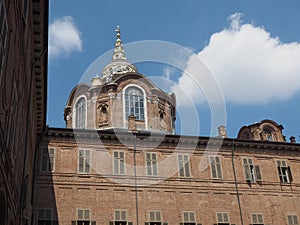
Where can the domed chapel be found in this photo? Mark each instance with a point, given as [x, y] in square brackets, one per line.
[121, 98]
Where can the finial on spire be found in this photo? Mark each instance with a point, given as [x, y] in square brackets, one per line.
[118, 31]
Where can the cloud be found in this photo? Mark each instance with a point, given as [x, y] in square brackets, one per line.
[64, 37]
[250, 66]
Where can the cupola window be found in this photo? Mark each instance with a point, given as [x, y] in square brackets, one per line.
[80, 113]
[134, 103]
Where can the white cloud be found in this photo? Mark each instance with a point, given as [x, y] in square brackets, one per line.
[64, 37]
[250, 65]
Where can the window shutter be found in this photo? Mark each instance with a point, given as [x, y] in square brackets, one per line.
[280, 174]
[111, 223]
[257, 173]
[165, 223]
[289, 173]
[247, 172]
[55, 222]
[146, 223]
[94, 223]
[181, 223]
[130, 223]
[73, 222]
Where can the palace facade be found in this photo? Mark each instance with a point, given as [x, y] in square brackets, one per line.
[119, 161]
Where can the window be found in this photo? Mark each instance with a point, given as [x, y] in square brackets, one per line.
[119, 162]
[151, 162]
[284, 172]
[184, 166]
[215, 166]
[134, 103]
[223, 218]
[48, 160]
[292, 220]
[84, 161]
[188, 218]
[269, 133]
[80, 113]
[120, 217]
[83, 217]
[44, 216]
[257, 219]
[252, 173]
[3, 34]
[155, 217]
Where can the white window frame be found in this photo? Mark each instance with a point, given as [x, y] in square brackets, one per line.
[223, 216]
[257, 219]
[251, 171]
[157, 216]
[119, 162]
[216, 165]
[284, 171]
[122, 217]
[151, 164]
[86, 215]
[124, 104]
[184, 165]
[292, 219]
[86, 161]
[74, 119]
[188, 217]
[48, 158]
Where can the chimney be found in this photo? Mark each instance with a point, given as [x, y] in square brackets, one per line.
[293, 139]
[222, 131]
[131, 123]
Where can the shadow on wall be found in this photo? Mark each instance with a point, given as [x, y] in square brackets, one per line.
[2, 207]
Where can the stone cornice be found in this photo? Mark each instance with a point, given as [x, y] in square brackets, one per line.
[172, 141]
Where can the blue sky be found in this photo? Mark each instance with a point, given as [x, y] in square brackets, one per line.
[252, 48]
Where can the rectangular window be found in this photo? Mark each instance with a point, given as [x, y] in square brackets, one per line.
[188, 218]
[119, 162]
[215, 166]
[257, 219]
[184, 166]
[84, 161]
[155, 217]
[120, 217]
[44, 216]
[223, 218]
[151, 162]
[3, 34]
[83, 217]
[252, 173]
[292, 220]
[48, 160]
[284, 172]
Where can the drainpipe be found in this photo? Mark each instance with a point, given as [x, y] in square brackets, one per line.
[236, 184]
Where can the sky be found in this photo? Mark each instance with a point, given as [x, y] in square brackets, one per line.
[245, 57]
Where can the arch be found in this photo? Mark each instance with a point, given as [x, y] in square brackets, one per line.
[80, 112]
[269, 133]
[134, 103]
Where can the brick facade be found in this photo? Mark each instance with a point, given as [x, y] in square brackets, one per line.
[23, 83]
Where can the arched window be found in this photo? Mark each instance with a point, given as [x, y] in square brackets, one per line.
[80, 113]
[134, 103]
[269, 133]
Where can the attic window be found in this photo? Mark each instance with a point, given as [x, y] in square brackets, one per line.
[269, 134]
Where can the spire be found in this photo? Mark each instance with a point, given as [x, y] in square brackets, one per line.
[119, 53]
[119, 64]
